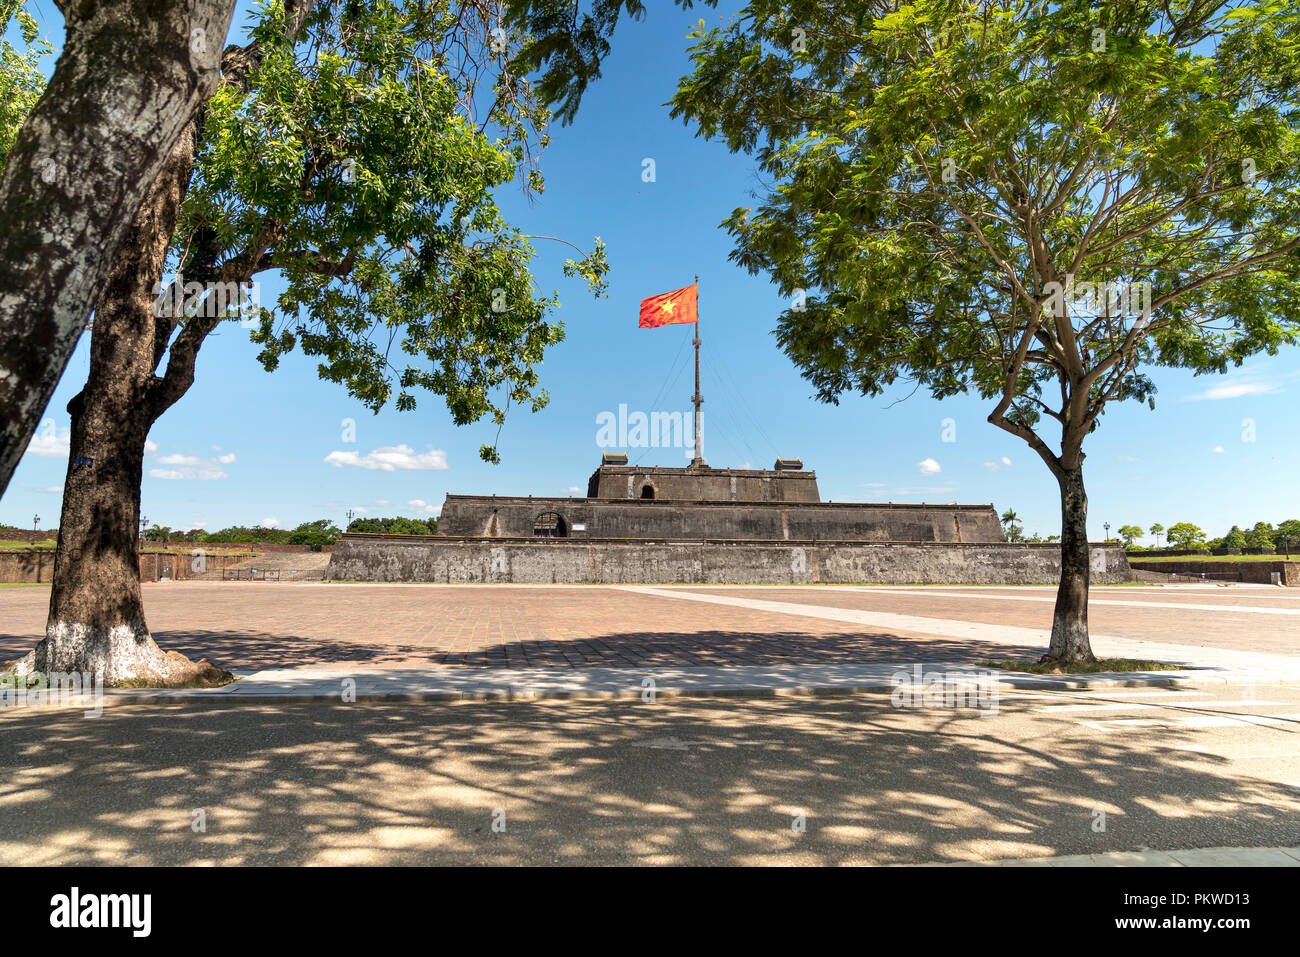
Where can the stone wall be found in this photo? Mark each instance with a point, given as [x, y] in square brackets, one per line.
[444, 559]
[37, 565]
[27, 535]
[514, 517]
[701, 485]
[28, 565]
[1254, 572]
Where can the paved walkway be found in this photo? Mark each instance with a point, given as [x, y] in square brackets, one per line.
[250, 627]
[1195, 857]
[724, 781]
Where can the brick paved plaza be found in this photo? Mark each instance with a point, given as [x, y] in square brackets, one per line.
[250, 626]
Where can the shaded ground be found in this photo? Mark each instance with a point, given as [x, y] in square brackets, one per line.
[680, 781]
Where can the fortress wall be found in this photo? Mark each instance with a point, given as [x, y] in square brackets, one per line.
[511, 517]
[714, 485]
[408, 558]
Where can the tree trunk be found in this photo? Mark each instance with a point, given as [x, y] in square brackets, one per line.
[131, 75]
[1070, 619]
[96, 621]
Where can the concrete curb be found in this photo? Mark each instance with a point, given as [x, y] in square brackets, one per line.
[716, 682]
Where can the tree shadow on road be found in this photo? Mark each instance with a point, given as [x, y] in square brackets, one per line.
[675, 781]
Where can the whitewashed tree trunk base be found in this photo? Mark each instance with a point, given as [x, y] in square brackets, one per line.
[122, 655]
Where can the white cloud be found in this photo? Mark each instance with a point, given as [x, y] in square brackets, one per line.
[360, 511]
[420, 505]
[382, 501]
[50, 441]
[928, 467]
[574, 490]
[1233, 390]
[270, 522]
[1219, 450]
[205, 472]
[52, 489]
[191, 468]
[391, 458]
[999, 465]
[150, 446]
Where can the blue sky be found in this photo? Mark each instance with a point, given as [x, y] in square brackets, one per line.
[245, 446]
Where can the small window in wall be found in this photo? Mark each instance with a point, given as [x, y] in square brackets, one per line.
[550, 525]
[647, 491]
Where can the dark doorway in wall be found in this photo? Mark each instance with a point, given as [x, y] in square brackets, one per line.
[647, 491]
[550, 525]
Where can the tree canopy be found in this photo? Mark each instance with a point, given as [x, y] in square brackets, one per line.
[939, 166]
[21, 80]
[1030, 202]
[359, 159]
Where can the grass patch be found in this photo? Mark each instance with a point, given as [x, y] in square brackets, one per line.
[45, 544]
[1102, 665]
[196, 682]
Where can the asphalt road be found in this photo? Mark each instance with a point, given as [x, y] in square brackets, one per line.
[678, 781]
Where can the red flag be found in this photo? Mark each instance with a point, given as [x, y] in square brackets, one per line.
[680, 305]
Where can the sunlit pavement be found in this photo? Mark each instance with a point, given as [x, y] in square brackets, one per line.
[251, 626]
[728, 781]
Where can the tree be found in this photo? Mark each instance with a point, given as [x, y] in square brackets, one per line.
[395, 526]
[315, 534]
[1011, 524]
[1234, 539]
[567, 40]
[1157, 530]
[157, 533]
[1287, 535]
[21, 80]
[128, 80]
[1129, 534]
[1027, 201]
[354, 150]
[1186, 535]
[1261, 536]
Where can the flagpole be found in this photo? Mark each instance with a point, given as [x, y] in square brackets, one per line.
[697, 399]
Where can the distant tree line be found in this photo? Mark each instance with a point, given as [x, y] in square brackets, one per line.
[1260, 537]
[317, 534]
[395, 526]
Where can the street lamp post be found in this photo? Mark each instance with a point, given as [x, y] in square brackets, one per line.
[1106, 526]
